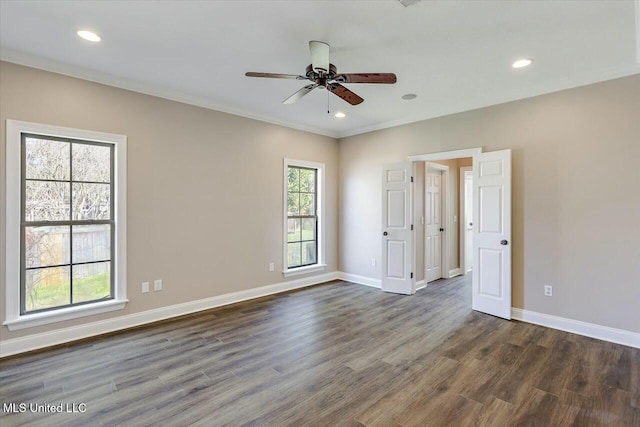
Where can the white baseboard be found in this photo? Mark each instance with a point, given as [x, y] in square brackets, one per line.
[361, 280]
[455, 272]
[618, 336]
[370, 281]
[61, 336]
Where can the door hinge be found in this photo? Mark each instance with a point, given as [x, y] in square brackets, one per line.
[411, 227]
[411, 179]
[412, 275]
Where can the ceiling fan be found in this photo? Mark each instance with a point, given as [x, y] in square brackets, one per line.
[324, 75]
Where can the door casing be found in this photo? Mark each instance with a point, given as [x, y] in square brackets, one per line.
[462, 219]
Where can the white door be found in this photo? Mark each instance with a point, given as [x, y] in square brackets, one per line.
[468, 221]
[433, 224]
[397, 234]
[492, 233]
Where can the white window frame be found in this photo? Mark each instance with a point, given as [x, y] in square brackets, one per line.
[14, 320]
[320, 203]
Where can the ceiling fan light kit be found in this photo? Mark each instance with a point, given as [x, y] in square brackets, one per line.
[324, 75]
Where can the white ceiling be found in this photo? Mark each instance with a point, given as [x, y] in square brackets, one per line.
[455, 55]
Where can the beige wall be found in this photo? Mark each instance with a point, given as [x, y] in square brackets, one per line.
[204, 187]
[576, 195]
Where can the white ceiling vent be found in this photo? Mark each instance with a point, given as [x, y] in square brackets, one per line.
[407, 3]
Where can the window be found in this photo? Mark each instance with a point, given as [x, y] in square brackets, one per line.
[303, 185]
[302, 221]
[66, 231]
[66, 224]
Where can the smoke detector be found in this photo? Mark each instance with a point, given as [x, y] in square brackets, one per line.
[407, 3]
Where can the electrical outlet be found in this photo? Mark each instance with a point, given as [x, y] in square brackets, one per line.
[548, 290]
[145, 287]
[272, 266]
[157, 285]
[373, 262]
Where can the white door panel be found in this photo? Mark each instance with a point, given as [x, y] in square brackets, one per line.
[490, 220]
[396, 254]
[396, 215]
[492, 233]
[397, 238]
[433, 225]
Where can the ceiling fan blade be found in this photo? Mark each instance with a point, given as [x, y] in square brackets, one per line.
[275, 76]
[319, 56]
[344, 93]
[384, 78]
[299, 94]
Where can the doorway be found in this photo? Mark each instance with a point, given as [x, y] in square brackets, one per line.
[491, 227]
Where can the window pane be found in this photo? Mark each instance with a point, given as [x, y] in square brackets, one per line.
[46, 201]
[293, 203]
[91, 243]
[47, 287]
[309, 229]
[293, 230]
[307, 204]
[91, 281]
[46, 159]
[293, 254]
[308, 180]
[45, 246]
[293, 179]
[91, 163]
[308, 253]
[91, 201]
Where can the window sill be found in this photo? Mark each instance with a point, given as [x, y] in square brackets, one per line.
[45, 318]
[303, 270]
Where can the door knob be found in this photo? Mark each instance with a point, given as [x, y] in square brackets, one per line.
[442, 229]
[503, 242]
[385, 234]
[470, 224]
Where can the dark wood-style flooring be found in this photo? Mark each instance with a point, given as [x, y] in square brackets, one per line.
[336, 354]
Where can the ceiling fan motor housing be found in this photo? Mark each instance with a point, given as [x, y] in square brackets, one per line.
[321, 79]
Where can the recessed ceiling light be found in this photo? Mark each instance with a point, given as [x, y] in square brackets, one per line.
[340, 115]
[89, 35]
[521, 63]
[409, 96]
